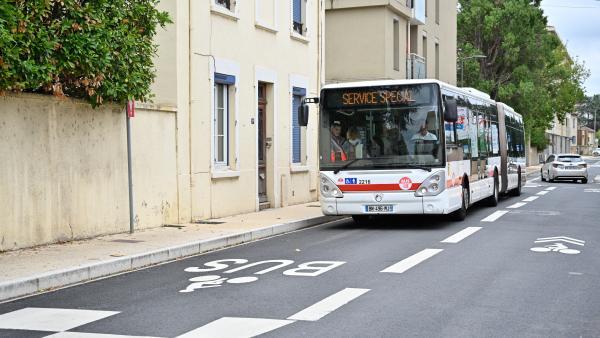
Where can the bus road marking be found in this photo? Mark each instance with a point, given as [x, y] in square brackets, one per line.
[550, 188]
[328, 305]
[543, 192]
[516, 205]
[531, 198]
[493, 217]
[459, 236]
[411, 261]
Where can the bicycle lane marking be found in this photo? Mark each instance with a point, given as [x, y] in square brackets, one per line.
[459, 236]
[411, 261]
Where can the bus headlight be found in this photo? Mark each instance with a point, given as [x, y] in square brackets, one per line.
[328, 188]
[432, 185]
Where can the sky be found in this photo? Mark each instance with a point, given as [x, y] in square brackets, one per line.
[578, 24]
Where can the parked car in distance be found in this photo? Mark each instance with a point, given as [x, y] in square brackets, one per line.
[564, 167]
[596, 152]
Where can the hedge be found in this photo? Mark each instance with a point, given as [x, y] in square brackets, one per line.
[97, 50]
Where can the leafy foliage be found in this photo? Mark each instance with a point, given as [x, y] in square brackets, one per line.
[526, 64]
[589, 108]
[98, 50]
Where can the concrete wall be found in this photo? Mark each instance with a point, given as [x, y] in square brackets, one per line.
[64, 170]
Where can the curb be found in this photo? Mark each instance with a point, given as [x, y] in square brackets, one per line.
[61, 278]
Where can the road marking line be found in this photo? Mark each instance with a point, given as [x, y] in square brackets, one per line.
[230, 327]
[531, 198]
[49, 319]
[411, 261]
[91, 335]
[328, 305]
[495, 216]
[550, 188]
[516, 205]
[543, 192]
[459, 236]
[533, 180]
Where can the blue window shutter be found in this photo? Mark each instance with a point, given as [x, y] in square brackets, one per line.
[296, 137]
[297, 11]
[299, 91]
[224, 79]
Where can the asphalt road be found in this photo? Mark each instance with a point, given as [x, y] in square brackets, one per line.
[408, 276]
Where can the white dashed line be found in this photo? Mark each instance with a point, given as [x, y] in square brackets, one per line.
[516, 205]
[328, 305]
[411, 261]
[531, 198]
[550, 188]
[493, 217]
[543, 192]
[459, 236]
[236, 327]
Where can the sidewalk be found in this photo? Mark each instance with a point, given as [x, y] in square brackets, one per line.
[37, 269]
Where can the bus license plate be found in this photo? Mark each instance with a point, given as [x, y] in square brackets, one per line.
[380, 208]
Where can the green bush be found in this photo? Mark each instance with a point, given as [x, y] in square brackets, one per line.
[97, 50]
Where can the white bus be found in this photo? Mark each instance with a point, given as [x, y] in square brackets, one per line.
[414, 147]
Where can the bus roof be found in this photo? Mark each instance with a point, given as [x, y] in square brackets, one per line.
[374, 83]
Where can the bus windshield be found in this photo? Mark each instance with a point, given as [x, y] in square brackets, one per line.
[381, 128]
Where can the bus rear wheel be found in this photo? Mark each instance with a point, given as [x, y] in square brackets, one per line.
[517, 191]
[492, 201]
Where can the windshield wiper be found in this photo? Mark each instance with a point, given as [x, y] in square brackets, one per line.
[336, 171]
[406, 166]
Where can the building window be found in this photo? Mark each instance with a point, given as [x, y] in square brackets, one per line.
[396, 45]
[299, 16]
[222, 118]
[229, 4]
[298, 132]
[266, 13]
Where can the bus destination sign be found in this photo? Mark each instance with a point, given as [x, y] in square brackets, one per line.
[377, 96]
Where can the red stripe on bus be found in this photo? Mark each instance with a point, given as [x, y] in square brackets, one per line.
[375, 187]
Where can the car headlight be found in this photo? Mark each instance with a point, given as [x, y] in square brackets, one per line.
[432, 185]
[328, 188]
[583, 165]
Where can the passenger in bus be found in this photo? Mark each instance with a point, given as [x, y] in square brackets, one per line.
[356, 145]
[339, 145]
[393, 143]
[375, 146]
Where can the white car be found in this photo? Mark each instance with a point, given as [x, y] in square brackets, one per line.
[564, 166]
[596, 152]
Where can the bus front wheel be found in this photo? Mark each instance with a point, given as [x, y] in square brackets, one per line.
[461, 214]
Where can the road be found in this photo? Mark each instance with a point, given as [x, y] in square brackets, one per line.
[408, 276]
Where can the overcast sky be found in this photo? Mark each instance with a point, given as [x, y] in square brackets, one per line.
[578, 24]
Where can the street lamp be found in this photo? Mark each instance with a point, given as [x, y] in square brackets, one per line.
[462, 66]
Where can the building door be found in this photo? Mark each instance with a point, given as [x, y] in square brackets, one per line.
[263, 144]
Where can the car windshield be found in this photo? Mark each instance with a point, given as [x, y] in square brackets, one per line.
[569, 159]
[402, 128]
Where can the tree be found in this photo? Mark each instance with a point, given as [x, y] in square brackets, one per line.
[589, 108]
[96, 50]
[526, 64]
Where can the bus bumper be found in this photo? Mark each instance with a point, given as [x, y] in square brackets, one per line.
[402, 203]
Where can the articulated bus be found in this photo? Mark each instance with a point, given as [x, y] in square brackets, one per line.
[414, 147]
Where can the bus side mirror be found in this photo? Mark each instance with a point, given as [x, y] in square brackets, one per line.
[303, 115]
[450, 110]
